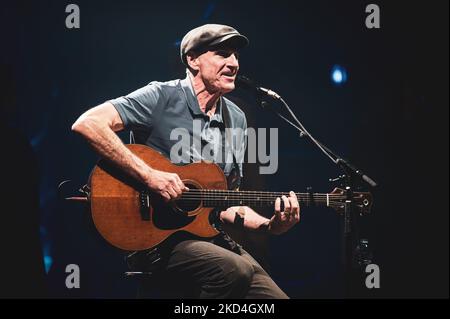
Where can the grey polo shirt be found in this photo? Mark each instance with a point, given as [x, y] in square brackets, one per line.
[167, 117]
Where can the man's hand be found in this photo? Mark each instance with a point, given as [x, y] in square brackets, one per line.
[168, 185]
[283, 221]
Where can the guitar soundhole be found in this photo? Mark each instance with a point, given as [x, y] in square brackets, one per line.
[176, 214]
[189, 201]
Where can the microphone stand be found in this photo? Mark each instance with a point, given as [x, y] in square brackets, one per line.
[351, 241]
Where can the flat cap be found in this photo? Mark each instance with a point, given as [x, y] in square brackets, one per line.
[209, 35]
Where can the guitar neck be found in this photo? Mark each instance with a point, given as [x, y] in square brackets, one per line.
[227, 198]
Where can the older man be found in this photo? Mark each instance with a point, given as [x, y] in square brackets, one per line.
[216, 268]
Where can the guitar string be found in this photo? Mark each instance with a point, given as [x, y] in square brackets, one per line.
[259, 194]
[256, 193]
[249, 192]
[255, 196]
[331, 205]
[212, 199]
[271, 202]
[253, 199]
[253, 193]
[255, 202]
[247, 200]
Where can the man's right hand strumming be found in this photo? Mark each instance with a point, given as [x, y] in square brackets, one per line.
[168, 185]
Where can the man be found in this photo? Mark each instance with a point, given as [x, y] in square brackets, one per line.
[217, 268]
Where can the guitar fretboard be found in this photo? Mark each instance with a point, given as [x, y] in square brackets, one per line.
[226, 198]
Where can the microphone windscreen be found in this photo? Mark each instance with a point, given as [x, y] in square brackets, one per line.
[245, 83]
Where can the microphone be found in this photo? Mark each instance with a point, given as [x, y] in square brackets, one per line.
[245, 83]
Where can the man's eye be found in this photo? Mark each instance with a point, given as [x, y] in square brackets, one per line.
[225, 54]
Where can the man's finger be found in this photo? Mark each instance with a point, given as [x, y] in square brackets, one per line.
[181, 185]
[294, 205]
[165, 195]
[287, 205]
[176, 187]
[173, 194]
[277, 207]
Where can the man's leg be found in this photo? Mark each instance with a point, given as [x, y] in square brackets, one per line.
[262, 285]
[213, 271]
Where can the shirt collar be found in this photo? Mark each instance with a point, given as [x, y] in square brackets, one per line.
[188, 89]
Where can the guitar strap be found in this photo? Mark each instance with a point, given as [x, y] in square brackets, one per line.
[234, 178]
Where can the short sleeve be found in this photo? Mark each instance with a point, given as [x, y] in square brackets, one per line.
[139, 108]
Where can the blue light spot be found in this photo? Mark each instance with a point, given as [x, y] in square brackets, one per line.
[338, 75]
[48, 261]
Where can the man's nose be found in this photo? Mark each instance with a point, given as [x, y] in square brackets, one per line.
[233, 61]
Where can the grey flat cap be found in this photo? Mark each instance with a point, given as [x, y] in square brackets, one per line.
[210, 35]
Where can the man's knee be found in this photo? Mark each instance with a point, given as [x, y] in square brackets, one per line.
[241, 274]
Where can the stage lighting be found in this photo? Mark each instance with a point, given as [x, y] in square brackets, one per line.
[48, 261]
[338, 75]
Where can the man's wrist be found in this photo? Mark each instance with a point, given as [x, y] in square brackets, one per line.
[146, 173]
[265, 227]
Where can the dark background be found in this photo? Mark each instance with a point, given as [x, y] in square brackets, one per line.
[390, 118]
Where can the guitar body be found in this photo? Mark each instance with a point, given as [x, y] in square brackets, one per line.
[131, 218]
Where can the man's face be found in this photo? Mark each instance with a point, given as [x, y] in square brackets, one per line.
[218, 69]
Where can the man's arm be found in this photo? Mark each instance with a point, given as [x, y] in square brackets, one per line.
[252, 220]
[278, 224]
[98, 126]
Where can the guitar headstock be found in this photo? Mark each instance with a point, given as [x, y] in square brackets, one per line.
[362, 201]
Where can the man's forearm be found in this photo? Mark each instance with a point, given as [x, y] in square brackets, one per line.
[109, 146]
[252, 220]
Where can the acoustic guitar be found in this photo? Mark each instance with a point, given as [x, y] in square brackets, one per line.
[131, 217]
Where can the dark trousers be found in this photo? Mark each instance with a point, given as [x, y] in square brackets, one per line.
[200, 269]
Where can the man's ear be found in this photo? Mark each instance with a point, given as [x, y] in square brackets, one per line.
[192, 60]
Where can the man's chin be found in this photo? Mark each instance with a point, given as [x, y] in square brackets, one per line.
[228, 87]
